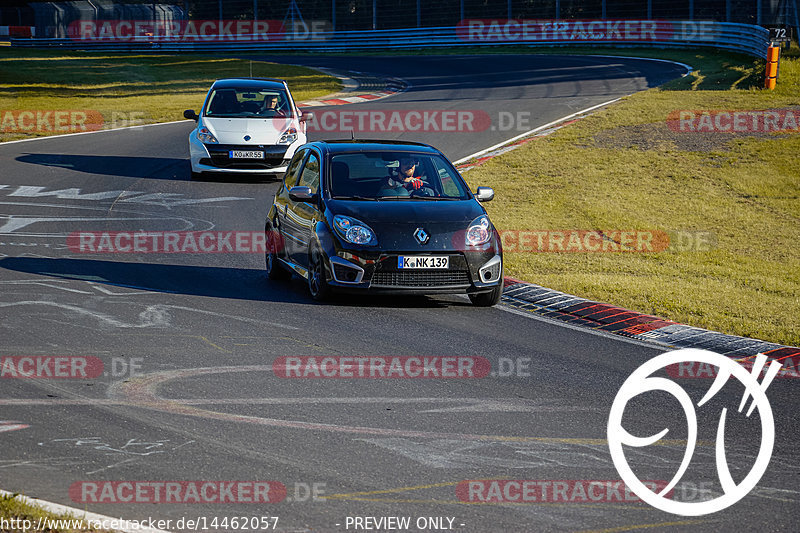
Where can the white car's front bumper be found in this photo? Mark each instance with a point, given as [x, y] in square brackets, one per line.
[213, 158]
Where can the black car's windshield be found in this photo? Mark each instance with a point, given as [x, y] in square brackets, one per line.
[394, 176]
[248, 103]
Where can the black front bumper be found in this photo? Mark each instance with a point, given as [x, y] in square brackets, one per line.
[379, 272]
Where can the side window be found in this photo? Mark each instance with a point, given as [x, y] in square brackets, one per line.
[449, 187]
[291, 173]
[310, 175]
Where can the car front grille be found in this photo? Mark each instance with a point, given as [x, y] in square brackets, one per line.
[273, 156]
[422, 278]
[223, 161]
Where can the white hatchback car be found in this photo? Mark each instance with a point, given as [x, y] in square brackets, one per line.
[246, 126]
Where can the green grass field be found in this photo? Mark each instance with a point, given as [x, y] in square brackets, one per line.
[623, 168]
[123, 87]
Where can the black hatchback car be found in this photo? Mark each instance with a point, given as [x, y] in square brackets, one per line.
[382, 216]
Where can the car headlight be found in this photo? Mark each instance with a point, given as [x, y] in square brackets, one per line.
[354, 231]
[206, 136]
[479, 231]
[288, 137]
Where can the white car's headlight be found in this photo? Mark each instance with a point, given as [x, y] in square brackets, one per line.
[354, 231]
[479, 231]
[206, 136]
[288, 137]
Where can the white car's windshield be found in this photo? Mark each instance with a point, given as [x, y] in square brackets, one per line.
[248, 103]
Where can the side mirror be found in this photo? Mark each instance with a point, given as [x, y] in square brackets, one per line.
[484, 194]
[191, 115]
[308, 115]
[302, 194]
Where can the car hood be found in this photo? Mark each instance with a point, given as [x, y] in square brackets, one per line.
[395, 222]
[260, 130]
[458, 212]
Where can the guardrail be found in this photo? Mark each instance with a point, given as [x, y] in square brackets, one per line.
[744, 38]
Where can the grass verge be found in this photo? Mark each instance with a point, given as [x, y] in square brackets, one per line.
[24, 518]
[121, 87]
[623, 168]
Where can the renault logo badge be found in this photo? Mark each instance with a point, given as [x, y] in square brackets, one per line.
[421, 235]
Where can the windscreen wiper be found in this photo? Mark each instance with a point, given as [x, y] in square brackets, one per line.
[372, 198]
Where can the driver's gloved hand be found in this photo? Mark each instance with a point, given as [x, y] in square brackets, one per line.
[415, 183]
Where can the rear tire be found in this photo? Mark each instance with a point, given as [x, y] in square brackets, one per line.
[487, 299]
[317, 282]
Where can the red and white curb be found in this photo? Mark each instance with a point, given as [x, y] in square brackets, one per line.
[393, 86]
[632, 324]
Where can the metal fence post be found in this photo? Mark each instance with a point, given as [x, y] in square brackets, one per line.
[796, 21]
[333, 15]
[558, 9]
[419, 14]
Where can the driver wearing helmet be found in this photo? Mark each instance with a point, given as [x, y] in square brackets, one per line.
[407, 176]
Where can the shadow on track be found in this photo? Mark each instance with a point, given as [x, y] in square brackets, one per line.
[214, 282]
[110, 165]
[154, 168]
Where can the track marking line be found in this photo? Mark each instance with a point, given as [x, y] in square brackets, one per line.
[646, 526]
[535, 130]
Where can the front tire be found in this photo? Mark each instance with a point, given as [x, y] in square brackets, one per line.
[317, 281]
[487, 299]
[275, 270]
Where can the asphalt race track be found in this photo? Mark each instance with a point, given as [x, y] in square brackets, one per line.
[188, 341]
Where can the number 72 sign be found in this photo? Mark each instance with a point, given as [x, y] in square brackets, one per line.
[780, 34]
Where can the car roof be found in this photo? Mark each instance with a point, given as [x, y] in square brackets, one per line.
[360, 145]
[249, 83]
